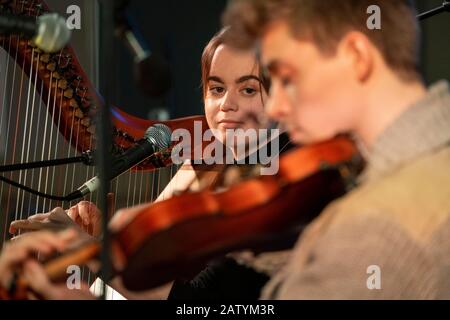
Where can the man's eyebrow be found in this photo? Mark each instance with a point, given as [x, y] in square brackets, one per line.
[247, 77]
[215, 79]
[272, 66]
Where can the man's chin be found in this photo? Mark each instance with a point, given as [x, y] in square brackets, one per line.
[300, 137]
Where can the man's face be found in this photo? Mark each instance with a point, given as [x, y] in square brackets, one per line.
[314, 96]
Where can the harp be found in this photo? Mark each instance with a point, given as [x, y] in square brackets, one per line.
[47, 111]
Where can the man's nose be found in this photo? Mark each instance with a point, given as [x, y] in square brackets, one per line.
[277, 106]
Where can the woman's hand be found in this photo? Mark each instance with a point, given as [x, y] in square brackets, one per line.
[84, 214]
[57, 219]
[87, 216]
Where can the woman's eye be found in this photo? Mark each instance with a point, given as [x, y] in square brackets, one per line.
[249, 91]
[217, 90]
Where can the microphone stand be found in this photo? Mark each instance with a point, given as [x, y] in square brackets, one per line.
[86, 158]
[444, 7]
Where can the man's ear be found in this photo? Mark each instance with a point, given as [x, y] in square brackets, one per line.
[360, 52]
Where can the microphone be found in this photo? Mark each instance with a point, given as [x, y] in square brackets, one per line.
[151, 70]
[156, 138]
[48, 32]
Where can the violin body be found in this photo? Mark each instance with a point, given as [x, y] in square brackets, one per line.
[175, 237]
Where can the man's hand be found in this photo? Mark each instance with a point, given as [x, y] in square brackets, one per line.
[37, 280]
[16, 252]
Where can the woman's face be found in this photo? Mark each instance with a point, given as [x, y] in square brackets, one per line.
[234, 96]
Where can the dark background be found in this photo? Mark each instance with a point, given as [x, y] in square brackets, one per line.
[180, 29]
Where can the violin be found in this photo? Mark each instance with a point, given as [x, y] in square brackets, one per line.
[176, 237]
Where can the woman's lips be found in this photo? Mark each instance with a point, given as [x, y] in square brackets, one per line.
[230, 124]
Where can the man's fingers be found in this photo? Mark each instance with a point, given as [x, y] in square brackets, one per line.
[44, 241]
[23, 246]
[36, 278]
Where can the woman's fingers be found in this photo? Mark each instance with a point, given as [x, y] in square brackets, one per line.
[88, 212]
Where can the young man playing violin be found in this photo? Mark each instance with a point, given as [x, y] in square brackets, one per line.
[390, 237]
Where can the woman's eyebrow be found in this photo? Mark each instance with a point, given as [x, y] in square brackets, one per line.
[215, 79]
[240, 80]
[247, 77]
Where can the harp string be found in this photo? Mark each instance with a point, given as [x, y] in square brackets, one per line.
[33, 180]
[16, 132]
[5, 112]
[44, 144]
[20, 193]
[29, 117]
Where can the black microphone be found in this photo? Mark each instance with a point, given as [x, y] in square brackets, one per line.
[156, 138]
[151, 70]
[48, 32]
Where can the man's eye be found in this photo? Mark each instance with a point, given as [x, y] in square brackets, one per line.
[285, 81]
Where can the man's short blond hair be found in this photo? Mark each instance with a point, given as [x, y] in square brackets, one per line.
[325, 22]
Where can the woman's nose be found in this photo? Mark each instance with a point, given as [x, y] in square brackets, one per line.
[229, 103]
